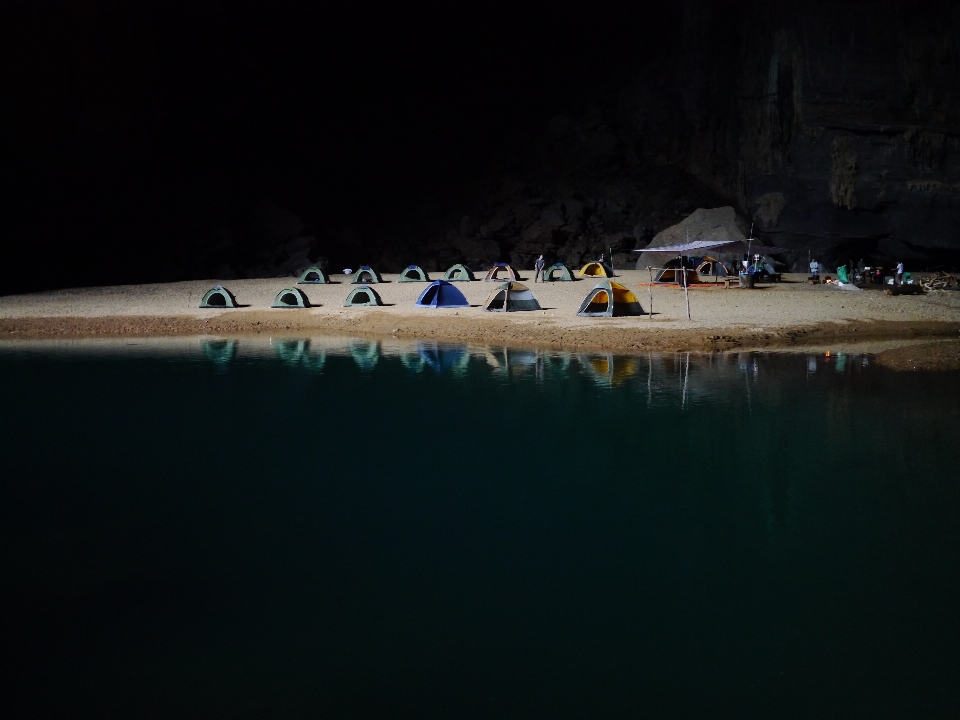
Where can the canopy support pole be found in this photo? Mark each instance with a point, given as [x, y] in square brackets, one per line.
[650, 288]
[686, 292]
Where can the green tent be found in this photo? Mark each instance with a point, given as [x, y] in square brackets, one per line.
[291, 298]
[558, 272]
[365, 275]
[459, 273]
[313, 276]
[218, 297]
[362, 296]
[414, 273]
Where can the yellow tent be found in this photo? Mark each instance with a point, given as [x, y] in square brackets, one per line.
[610, 299]
[595, 269]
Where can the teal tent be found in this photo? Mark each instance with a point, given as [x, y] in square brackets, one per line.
[558, 272]
[218, 297]
[313, 276]
[362, 296]
[414, 273]
[459, 273]
[291, 298]
[366, 275]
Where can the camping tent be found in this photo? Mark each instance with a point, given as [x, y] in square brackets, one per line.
[713, 267]
[313, 276]
[596, 269]
[511, 297]
[414, 273]
[218, 297]
[291, 298]
[671, 274]
[365, 275]
[363, 296]
[492, 273]
[557, 272]
[459, 273]
[441, 294]
[610, 299]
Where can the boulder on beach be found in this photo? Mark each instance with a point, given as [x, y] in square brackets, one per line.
[702, 224]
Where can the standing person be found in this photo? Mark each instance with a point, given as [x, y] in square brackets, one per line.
[538, 269]
[899, 279]
[815, 270]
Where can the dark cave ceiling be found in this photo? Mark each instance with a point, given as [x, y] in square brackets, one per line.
[157, 142]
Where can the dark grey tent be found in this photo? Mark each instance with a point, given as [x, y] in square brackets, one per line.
[511, 297]
[366, 275]
[291, 298]
[313, 276]
[218, 297]
[558, 272]
[505, 268]
[414, 273]
[459, 273]
[610, 299]
[362, 296]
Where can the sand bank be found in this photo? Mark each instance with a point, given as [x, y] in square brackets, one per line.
[788, 314]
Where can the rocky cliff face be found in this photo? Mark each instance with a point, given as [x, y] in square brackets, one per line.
[834, 127]
[841, 128]
[148, 145]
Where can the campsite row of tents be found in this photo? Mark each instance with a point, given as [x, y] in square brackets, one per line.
[366, 275]
[606, 299]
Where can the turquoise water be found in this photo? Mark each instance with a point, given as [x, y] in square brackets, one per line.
[353, 529]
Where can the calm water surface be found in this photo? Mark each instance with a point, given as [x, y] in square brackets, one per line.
[351, 529]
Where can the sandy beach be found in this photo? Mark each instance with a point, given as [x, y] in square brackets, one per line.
[779, 315]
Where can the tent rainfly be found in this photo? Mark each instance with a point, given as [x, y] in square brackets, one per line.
[441, 294]
[671, 274]
[218, 297]
[511, 297]
[366, 275]
[414, 273]
[492, 273]
[713, 267]
[362, 296]
[459, 273]
[557, 272]
[291, 298]
[596, 269]
[610, 299]
[313, 275]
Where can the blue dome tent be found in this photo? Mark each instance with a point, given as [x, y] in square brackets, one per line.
[441, 294]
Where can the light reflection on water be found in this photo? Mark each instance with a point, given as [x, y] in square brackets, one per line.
[694, 377]
[374, 528]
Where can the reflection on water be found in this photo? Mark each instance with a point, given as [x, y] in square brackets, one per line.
[327, 527]
[300, 353]
[691, 377]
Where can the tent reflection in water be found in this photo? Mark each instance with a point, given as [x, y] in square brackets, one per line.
[511, 297]
[610, 299]
[441, 294]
